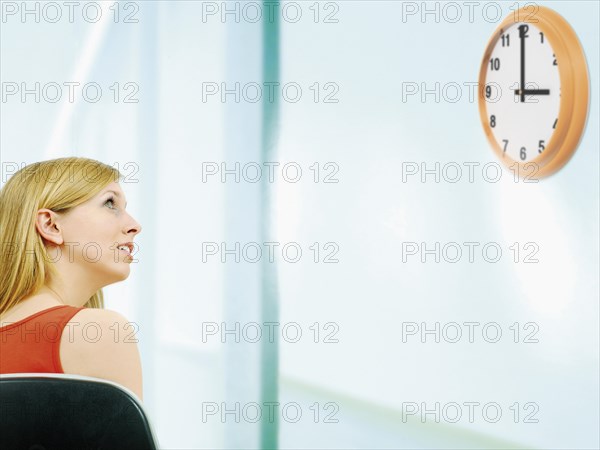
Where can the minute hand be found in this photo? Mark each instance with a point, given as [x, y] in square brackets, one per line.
[522, 31]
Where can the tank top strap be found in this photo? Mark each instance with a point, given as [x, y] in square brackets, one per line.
[60, 314]
[60, 317]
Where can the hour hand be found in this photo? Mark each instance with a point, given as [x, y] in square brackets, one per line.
[524, 92]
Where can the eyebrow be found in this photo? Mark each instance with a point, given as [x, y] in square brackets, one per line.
[117, 194]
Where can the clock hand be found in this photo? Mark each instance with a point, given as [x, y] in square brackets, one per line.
[532, 92]
[522, 85]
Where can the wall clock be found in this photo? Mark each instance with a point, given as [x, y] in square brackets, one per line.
[534, 91]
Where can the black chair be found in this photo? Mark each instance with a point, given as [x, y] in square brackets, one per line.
[45, 411]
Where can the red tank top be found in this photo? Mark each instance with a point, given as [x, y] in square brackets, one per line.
[32, 344]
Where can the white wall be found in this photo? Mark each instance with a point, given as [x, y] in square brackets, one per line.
[370, 133]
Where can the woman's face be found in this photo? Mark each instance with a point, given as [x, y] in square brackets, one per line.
[91, 236]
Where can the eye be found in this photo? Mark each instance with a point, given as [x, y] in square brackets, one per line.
[111, 200]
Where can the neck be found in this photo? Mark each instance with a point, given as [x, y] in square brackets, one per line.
[71, 297]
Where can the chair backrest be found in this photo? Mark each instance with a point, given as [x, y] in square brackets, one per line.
[40, 411]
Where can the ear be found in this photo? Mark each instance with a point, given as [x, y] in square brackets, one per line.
[47, 225]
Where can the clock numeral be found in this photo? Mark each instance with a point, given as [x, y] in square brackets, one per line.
[555, 122]
[492, 121]
[523, 29]
[495, 64]
[542, 37]
[541, 146]
[523, 154]
[554, 63]
[505, 144]
[506, 40]
[488, 91]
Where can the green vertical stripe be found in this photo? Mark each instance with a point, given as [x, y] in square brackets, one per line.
[270, 300]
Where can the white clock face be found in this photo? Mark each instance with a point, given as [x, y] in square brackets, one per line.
[522, 92]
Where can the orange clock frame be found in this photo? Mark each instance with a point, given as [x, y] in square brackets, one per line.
[574, 90]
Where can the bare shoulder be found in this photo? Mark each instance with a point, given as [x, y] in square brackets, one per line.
[99, 326]
[102, 343]
[92, 317]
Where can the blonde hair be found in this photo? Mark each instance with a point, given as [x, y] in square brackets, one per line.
[59, 185]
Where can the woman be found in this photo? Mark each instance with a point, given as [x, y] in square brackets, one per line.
[64, 234]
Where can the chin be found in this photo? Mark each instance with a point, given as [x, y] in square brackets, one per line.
[125, 272]
[122, 272]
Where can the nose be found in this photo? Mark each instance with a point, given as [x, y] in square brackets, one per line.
[133, 227]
